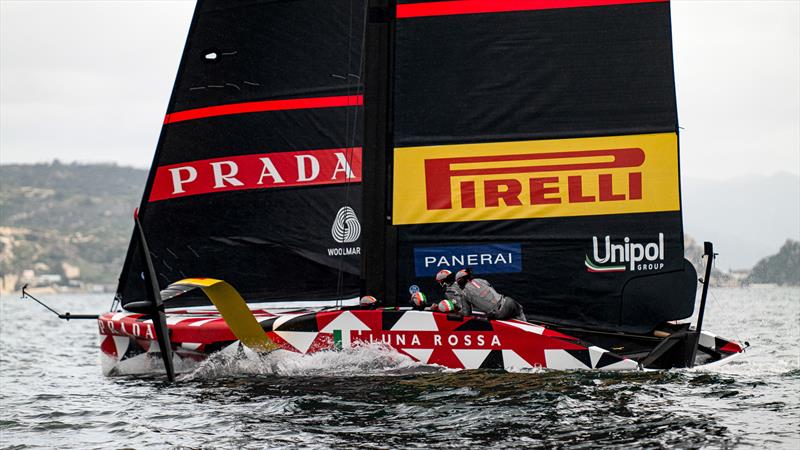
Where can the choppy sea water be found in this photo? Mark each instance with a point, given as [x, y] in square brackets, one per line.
[53, 395]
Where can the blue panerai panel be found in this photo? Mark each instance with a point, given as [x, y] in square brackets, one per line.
[487, 258]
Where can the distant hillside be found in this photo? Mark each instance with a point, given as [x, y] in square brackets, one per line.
[783, 268]
[74, 214]
[58, 218]
[745, 217]
[693, 251]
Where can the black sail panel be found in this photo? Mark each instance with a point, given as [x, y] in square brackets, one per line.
[565, 72]
[256, 178]
[536, 142]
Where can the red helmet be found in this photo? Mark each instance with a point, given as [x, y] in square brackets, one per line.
[463, 275]
[419, 299]
[447, 306]
[442, 275]
[368, 300]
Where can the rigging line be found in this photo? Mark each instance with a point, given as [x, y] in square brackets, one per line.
[340, 274]
[727, 319]
[719, 305]
[350, 138]
[358, 84]
[362, 62]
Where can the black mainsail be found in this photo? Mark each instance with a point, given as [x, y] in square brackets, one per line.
[256, 177]
[536, 142]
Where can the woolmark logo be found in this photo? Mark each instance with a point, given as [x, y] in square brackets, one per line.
[628, 255]
[541, 190]
[346, 227]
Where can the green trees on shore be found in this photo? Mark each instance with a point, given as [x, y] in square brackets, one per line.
[782, 268]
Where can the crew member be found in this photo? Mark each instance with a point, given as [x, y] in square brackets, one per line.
[447, 280]
[419, 301]
[479, 293]
[368, 302]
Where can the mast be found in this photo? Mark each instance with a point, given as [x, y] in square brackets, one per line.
[379, 240]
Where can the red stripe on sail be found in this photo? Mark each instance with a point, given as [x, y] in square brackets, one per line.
[257, 171]
[263, 106]
[458, 7]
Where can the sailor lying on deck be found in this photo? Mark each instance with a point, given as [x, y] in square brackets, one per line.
[479, 294]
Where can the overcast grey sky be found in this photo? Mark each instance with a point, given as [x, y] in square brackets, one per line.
[89, 81]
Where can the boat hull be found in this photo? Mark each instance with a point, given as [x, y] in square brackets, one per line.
[427, 337]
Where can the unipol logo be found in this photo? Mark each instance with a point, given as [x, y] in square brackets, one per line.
[498, 182]
[346, 227]
[628, 255]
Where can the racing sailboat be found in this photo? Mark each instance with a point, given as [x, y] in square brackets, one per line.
[318, 150]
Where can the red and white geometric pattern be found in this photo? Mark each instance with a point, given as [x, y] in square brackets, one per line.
[427, 337]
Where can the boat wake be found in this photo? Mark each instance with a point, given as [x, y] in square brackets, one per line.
[755, 362]
[366, 360]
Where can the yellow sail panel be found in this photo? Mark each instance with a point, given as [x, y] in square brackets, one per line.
[533, 179]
